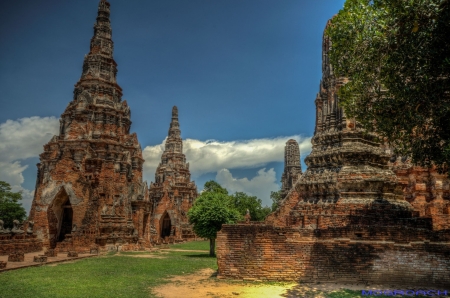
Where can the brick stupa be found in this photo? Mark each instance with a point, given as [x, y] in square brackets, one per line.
[351, 216]
[89, 189]
[173, 192]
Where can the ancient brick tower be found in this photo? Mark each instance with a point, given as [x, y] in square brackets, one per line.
[347, 168]
[173, 192]
[89, 188]
[346, 219]
[292, 166]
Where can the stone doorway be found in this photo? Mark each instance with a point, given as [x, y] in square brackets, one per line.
[166, 225]
[60, 218]
[66, 222]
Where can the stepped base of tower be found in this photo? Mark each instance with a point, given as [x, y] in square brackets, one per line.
[376, 243]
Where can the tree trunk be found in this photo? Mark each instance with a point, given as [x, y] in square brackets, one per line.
[212, 246]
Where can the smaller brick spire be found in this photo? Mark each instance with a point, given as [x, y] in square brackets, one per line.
[174, 130]
[292, 166]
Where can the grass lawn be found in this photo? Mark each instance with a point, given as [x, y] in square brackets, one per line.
[128, 274]
[106, 276]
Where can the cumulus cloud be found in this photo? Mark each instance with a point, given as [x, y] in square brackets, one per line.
[11, 172]
[211, 156]
[24, 138]
[21, 139]
[260, 186]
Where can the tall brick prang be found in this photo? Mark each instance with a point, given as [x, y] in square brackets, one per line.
[351, 216]
[89, 188]
[173, 192]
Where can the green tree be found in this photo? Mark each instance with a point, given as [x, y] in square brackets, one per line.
[276, 198]
[211, 210]
[396, 55]
[213, 186]
[10, 208]
[242, 202]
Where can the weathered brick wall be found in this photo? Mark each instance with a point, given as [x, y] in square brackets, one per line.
[19, 243]
[392, 255]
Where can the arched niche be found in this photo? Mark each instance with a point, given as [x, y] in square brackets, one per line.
[165, 225]
[60, 217]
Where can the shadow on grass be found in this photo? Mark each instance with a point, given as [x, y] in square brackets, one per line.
[199, 256]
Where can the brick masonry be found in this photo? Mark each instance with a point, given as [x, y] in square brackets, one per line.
[19, 243]
[357, 214]
[173, 193]
[89, 188]
[396, 256]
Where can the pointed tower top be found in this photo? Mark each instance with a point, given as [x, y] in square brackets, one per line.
[174, 112]
[99, 67]
[174, 130]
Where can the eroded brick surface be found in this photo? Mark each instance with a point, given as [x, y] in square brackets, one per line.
[10, 243]
[89, 184]
[17, 256]
[390, 255]
[173, 192]
[354, 215]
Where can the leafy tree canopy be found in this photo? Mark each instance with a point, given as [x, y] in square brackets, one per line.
[10, 208]
[396, 54]
[242, 202]
[211, 210]
[276, 198]
[213, 186]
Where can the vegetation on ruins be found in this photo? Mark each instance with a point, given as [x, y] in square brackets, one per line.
[211, 210]
[243, 202]
[10, 208]
[396, 54]
[276, 198]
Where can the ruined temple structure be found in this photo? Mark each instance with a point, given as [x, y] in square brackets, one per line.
[173, 192]
[89, 189]
[355, 215]
[292, 166]
[425, 189]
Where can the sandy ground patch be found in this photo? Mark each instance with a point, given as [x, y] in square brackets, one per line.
[203, 284]
[200, 284]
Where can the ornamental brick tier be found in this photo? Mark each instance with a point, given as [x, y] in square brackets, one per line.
[355, 215]
[292, 167]
[173, 192]
[89, 189]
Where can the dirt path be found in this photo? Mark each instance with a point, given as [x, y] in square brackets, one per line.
[202, 284]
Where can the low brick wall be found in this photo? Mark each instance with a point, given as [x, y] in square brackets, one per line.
[264, 252]
[22, 243]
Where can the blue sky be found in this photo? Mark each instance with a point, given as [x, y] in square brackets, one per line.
[243, 73]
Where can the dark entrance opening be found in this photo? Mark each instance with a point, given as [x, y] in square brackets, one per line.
[166, 226]
[66, 221]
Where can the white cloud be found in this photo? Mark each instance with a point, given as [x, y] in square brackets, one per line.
[21, 139]
[11, 172]
[260, 186]
[211, 156]
[24, 138]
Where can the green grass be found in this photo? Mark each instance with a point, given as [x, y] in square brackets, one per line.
[120, 275]
[193, 245]
[107, 276]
